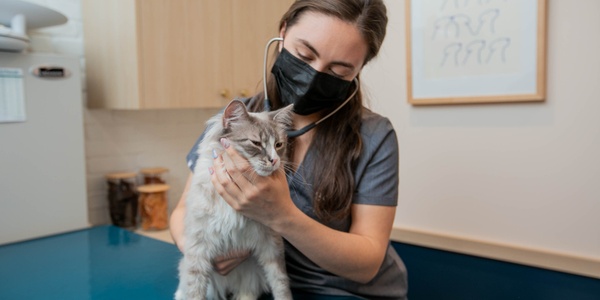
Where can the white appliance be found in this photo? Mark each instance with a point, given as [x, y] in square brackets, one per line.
[18, 16]
[42, 161]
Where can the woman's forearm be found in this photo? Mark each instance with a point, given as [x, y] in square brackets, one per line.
[356, 255]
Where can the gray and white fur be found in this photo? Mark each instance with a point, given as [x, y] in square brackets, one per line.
[213, 228]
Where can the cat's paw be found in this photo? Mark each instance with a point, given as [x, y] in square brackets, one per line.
[243, 296]
[179, 295]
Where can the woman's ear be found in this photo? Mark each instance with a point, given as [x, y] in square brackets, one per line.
[281, 35]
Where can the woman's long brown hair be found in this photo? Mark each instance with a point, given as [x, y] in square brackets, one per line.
[337, 141]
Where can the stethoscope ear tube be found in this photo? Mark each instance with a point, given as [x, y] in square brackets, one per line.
[267, 104]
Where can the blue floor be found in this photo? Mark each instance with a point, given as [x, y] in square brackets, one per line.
[436, 274]
[100, 263]
[111, 263]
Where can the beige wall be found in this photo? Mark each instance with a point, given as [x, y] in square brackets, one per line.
[518, 174]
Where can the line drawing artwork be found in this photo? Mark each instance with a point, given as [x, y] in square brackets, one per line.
[499, 44]
[463, 3]
[476, 51]
[452, 50]
[452, 24]
[488, 1]
[457, 3]
[471, 37]
[480, 44]
[493, 14]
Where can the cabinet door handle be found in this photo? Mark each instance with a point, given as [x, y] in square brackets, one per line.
[224, 93]
[244, 93]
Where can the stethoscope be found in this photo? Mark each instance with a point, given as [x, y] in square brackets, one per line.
[267, 104]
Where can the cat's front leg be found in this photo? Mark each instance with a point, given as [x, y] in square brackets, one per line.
[277, 279]
[278, 282]
[181, 288]
[196, 276]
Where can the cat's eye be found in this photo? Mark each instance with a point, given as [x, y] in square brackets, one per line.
[257, 143]
[278, 145]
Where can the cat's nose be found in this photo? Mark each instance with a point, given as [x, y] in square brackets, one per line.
[273, 160]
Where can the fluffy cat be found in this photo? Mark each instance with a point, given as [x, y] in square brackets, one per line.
[213, 228]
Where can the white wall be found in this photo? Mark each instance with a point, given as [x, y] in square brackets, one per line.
[520, 174]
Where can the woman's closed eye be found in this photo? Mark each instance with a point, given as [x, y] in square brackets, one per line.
[338, 73]
[341, 69]
[305, 58]
[337, 69]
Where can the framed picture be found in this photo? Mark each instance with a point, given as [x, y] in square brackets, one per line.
[476, 51]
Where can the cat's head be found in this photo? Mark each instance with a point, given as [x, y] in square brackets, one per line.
[259, 137]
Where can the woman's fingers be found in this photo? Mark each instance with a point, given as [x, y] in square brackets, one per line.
[237, 166]
[238, 184]
[224, 185]
[228, 179]
[226, 263]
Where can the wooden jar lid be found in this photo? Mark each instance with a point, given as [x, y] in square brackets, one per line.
[122, 175]
[153, 188]
[153, 171]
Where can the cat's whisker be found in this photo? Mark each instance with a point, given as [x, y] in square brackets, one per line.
[289, 163]
[290, 173]
[250, 176]
[253, 177]
[301, 181]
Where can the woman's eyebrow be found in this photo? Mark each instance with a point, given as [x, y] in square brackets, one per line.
[312, 49]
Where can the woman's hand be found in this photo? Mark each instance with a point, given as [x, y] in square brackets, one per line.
[226, 263]
[223, 264]
[264, 199]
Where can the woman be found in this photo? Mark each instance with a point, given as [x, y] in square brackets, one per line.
[336, 207]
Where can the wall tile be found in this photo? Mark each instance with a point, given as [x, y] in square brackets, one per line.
[68, 46]
[41, 44]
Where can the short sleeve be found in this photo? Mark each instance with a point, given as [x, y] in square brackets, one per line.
[377, 170]
[192, 156]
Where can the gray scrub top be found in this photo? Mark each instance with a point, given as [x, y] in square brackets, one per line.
[376, 183]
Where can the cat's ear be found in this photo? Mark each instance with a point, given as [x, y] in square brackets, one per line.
[233, 112]
[283, 115]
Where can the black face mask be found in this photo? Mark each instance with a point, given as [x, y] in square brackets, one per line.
[308, 89]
